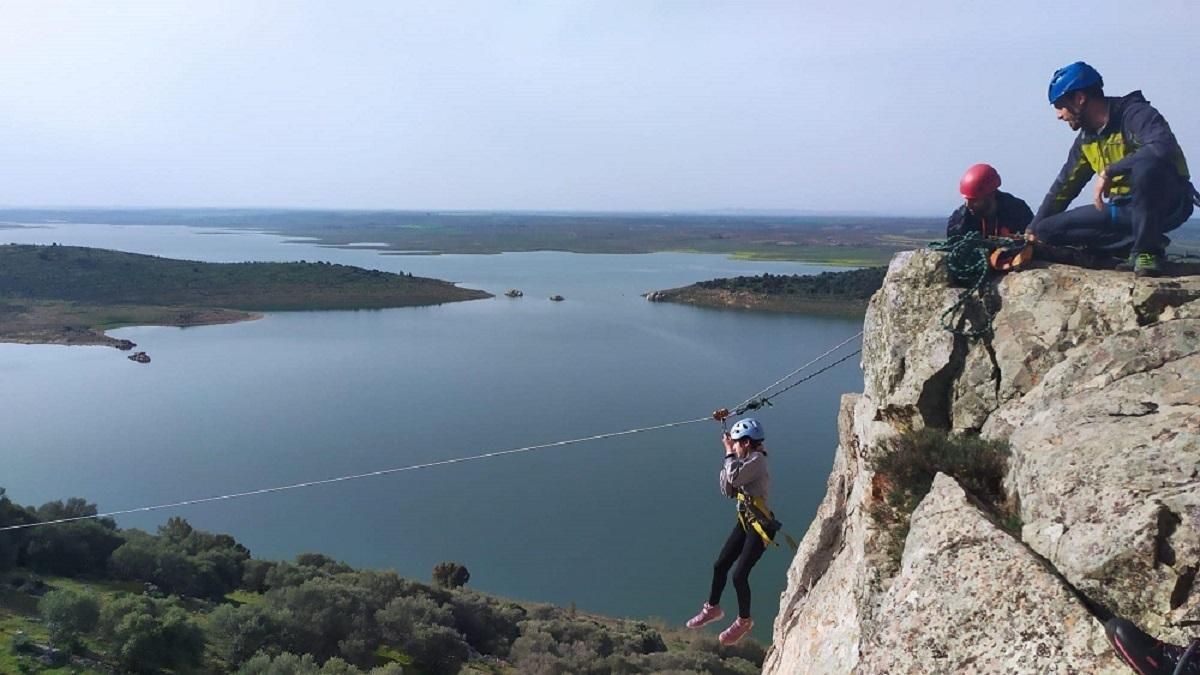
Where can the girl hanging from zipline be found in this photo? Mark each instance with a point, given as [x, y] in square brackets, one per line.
[745, 478]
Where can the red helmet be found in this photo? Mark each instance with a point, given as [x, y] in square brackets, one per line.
[980, 180]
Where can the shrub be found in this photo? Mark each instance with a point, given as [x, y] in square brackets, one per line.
[450, 575]
[237, 633]
[151, 635]
[68, 615]
[20, 642]
[906, 466]
[326, 618]
[488, 625]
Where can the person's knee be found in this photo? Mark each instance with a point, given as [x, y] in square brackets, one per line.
[1045, 230]
[1151, 173]
[741, 575]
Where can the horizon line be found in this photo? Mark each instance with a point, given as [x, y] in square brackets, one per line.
[727, 211]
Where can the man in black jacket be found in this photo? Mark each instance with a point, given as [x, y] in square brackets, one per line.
[987, 210]
[1140, 167]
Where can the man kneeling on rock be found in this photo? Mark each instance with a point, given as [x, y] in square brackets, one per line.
[1140, 170]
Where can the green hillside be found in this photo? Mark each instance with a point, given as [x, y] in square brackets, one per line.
[88, 597]
[844, 293]
[69, 294]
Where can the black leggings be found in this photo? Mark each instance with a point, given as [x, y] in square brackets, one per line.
[744, 549]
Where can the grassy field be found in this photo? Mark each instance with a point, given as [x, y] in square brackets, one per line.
[70, 295]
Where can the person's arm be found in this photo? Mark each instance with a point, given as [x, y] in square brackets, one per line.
[1024, 215]
[1149, 132]
[1075, 173]
[739, 472]
[727, 489]
[956, 226]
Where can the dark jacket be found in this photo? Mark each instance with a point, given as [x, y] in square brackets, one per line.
[1012, 215]
[1134, 126]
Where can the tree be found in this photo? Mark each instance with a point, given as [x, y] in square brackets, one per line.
[13, 542]
[237, 633]
[325, 618]
[68, 615]
[450, 575]
[426, 631]
[151, 635]
[71, 549]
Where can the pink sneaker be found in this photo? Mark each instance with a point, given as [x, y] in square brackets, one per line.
[708, 614]
[736, 631]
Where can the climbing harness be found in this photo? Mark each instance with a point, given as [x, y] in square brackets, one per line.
[457, 460]
[753, 514]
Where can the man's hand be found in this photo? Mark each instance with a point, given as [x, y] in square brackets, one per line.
[1103, 185]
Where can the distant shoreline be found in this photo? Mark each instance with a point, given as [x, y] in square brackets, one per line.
[74, 325]
[830, 240]
[756, 302]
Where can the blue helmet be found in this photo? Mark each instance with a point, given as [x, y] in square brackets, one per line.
[747, 426]
[1074, 77]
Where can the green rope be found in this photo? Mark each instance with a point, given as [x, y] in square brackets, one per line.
[967, 260]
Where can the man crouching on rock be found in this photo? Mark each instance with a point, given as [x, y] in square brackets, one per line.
[1139, 166]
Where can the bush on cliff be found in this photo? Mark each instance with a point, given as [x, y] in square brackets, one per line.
[906, 466]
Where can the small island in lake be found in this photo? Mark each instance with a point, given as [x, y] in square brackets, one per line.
[842, 293]
[71, 295]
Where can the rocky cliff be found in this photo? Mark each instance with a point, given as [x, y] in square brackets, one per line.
[1093, 379]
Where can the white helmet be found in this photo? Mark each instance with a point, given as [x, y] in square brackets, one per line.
[747, 426]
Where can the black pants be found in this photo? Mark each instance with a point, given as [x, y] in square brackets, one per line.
[744, 549]
[1160, 201]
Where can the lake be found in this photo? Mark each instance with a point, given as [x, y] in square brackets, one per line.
[626, 526]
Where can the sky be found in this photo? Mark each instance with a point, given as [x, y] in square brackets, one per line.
[614, 105]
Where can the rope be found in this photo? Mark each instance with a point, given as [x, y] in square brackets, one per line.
[370, 474]
[795, 372]
[967, 260]
[753, 403]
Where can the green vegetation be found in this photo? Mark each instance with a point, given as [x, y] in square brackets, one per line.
[68, 294]
[905, 469]
[450, 575]
[847, 240]
[88, 597]
[829, 292]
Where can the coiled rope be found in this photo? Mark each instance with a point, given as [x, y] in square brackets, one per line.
[967, 260]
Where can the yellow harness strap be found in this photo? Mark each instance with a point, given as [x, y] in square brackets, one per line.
[746, 516]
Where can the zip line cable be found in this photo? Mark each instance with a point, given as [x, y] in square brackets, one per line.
[754, 402]
[369, 474]
[740, 407]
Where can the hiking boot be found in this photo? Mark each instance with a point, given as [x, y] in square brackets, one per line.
[736, 631]
[1145, 654]
[708, 614]
[1147, 265]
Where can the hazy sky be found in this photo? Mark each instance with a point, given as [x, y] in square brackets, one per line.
[614, 105]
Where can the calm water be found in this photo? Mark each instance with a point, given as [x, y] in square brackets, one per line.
[626, 526]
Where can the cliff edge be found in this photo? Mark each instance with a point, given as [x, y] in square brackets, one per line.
[1093, 379]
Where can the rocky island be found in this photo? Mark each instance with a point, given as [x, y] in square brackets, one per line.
[71, 295]
[1090, 381]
